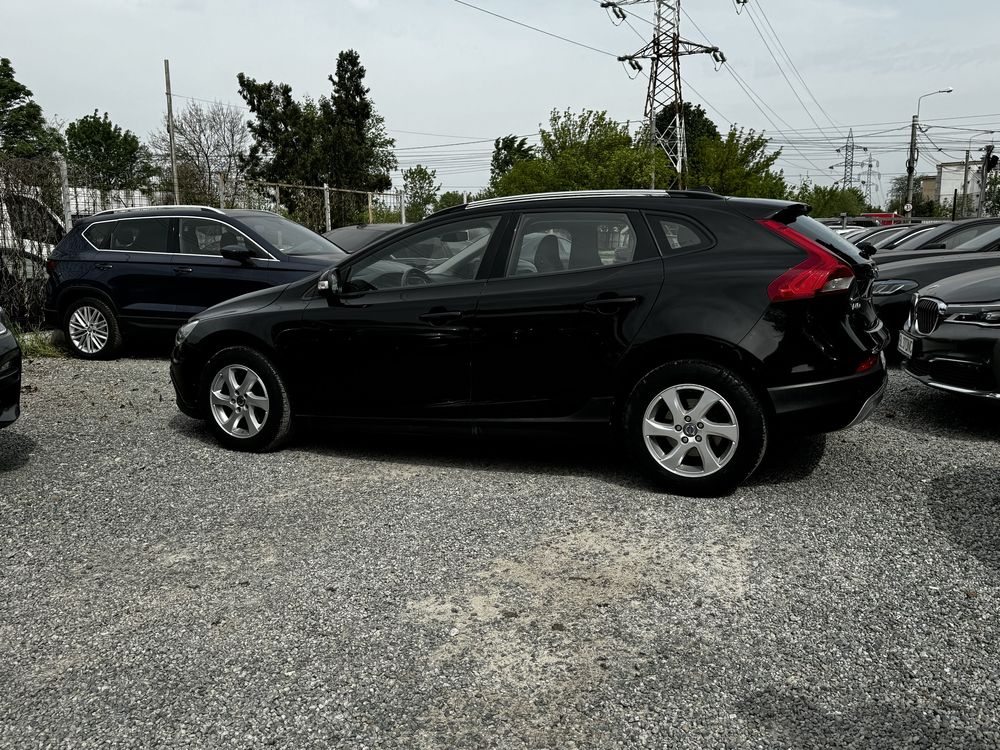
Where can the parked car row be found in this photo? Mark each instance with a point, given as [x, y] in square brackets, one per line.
[697, 327]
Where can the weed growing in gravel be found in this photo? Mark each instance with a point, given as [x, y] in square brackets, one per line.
[36, 343]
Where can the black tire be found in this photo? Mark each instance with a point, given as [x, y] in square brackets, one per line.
[256, 419]
[732, 433]
[91, 329]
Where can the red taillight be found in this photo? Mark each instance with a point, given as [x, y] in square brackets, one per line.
[868, 364]
[820, 273]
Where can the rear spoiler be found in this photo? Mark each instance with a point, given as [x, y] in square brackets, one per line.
[790, 213]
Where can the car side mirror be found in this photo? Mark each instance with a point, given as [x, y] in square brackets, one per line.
[329, 283]
[237, 253]
[867, 249]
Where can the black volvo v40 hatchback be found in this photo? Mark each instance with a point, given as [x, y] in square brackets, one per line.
[697, 326]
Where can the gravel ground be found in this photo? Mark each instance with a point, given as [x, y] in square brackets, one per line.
[157, 590]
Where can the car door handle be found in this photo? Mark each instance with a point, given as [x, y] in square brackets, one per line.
[103, 266]
[437, 317]
[183, 269]
[610, 304]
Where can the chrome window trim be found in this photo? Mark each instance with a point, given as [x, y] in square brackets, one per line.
[269, 259]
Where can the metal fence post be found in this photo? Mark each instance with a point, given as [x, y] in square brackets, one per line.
[402, 207]
[371, 216]
[326, 205]
[64, 181]
[222, 190]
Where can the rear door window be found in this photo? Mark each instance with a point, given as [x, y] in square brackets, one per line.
[675, 234]
[141, 235]
[555, 242]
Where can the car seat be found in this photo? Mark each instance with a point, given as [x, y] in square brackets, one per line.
[547, 257]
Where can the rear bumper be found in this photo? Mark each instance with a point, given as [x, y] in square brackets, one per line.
[829, 405]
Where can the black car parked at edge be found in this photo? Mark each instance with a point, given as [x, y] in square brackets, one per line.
[951, 339]
[10, 374]
[138, 270]
[700, 326]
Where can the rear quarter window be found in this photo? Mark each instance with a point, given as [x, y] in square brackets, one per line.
[99, 235]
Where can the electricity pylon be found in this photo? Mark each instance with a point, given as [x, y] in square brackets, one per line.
[849, 163]
[664, 53]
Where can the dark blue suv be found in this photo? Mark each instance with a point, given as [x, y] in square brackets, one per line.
[123, 272]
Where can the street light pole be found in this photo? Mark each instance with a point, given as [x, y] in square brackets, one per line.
[911, 163]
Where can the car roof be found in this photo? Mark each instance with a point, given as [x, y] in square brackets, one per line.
[623, 199]
[167, 211]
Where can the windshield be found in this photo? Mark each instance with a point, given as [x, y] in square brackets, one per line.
[291, 238]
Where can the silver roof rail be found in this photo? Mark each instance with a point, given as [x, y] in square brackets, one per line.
[158, 208]
[562, 195]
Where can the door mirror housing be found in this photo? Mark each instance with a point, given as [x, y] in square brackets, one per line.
[237, 253]
[329, 283]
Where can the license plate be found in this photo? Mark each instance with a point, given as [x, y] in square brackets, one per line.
[905, 344]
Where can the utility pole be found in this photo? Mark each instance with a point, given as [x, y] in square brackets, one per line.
[911, 164]
[170, 130]
[664, 53]
[965, 185]
[849, 161]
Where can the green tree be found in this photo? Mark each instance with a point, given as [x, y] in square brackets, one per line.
[830, 201]
[739, 165]
[420, 191]
[507, 152]
[106, 157]
[449, 199]
[991, 197]
[585, 151]
[339, 140]
[23, 130]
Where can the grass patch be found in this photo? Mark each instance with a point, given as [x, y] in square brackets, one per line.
[36, 343]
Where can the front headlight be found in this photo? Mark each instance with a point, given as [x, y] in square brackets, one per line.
[885, 287]
[980, 317]
[184, 331]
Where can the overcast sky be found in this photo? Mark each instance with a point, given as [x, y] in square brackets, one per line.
[442, 73]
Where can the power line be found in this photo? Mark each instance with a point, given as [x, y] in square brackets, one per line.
[535, 28]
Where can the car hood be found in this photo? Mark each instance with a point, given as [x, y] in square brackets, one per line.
[245, 303]
[975, 286]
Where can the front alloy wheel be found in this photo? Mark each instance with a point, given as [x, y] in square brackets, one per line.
[246, 400]
[239, 401]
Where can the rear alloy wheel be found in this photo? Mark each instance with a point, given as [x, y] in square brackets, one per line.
[695, 427]
[92, 330]
[246, 400]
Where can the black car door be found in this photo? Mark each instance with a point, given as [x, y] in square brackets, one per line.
[203, 277]
[395, 342]
[551, 328]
